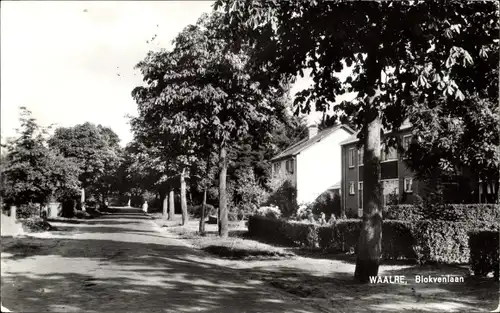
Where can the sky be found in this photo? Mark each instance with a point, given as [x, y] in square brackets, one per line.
[70, 62]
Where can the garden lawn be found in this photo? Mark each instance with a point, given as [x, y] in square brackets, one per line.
[236, 246]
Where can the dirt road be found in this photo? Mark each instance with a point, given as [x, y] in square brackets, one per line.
[123, 263]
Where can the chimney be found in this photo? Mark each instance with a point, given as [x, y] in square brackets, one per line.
[312, 130]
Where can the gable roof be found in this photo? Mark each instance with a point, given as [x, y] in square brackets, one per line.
[306, 142]
[354, 137]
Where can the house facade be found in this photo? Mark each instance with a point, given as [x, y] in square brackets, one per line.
[314, 163]
[398, 183]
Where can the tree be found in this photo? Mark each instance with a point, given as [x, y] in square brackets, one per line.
[96, 151]
[146, 169]
[203, 174]
[170, 152]
[402, 56]
[204, 97]
[33, 173]
[451, 142]
[251, 151]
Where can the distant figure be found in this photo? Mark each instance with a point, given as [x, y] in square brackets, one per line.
[128, 203]
[322, 219]
[332, 219]
[145, 207]
[106, 204]
[310, 217]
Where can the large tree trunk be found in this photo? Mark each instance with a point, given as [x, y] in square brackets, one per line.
[165, 204]
[223, 222]
[203, 207]
[183, 197]
[369, 246]
[171, 204]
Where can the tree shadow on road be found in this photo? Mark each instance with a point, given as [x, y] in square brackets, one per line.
[109, 275]
[108, 268]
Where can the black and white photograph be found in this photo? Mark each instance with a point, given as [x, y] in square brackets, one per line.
[251, 156]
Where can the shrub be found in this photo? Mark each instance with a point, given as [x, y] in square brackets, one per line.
[82, 214]
[347, 233]
[403, 212]
[397, 240]
[351, 214]
[28, 210]
[471, 213]
[195, 210]
[425, 241]
[92, 203]
[243, 214]
[268, 228]
[248, 192]
[268, 211]
[441, 241]
[484, 252]
[301, 234]
[240, 213]
[232, 216]
[328, 202]
[301, 212]
[35, 224]
[282, 193]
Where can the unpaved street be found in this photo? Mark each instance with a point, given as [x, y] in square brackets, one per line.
[124, 263]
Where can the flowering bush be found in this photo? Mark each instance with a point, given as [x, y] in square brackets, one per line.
[269, 211]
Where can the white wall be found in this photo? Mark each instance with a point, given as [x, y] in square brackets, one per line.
[319, 167]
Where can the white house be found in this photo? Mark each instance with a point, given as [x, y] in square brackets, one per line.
[314, 163]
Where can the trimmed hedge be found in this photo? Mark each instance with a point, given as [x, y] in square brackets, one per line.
[340, 236]
[475, 214]
[424, 241]
[484, 252]
[403, 212]
[441, 241]
[397, 240]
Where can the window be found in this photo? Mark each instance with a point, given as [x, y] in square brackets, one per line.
[406, 142]
[351, 157]
[408, 184]
[389, 155]
[290, 166]
[390, 191]
[351, 188]
[360, 156]
[360, 188]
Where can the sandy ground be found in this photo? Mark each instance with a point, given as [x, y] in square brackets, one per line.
[128, 263]
[122, 263]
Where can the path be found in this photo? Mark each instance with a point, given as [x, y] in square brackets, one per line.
[123, 263]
